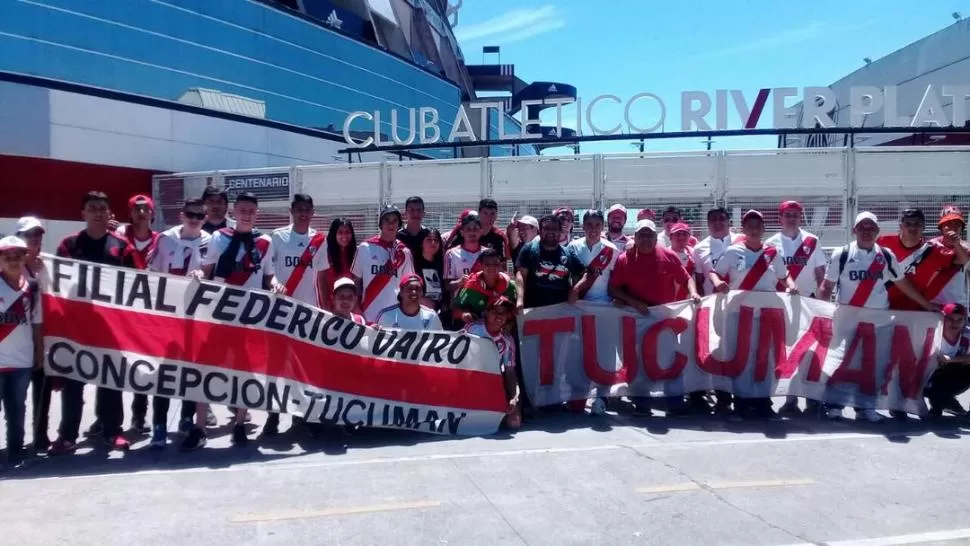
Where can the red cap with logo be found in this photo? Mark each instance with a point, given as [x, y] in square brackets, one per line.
[680, 227]
[790, 205]
[646, 214]
[141, 200]
[952, 308]
[950, 213]
[411, 278]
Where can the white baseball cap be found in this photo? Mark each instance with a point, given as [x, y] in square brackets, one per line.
[28, 223]
[12, 242]
[645, 224]
[342, 282]
[616, 208]
[529, 221]
[863, 216]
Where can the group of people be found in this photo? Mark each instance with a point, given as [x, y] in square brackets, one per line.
[413, 276]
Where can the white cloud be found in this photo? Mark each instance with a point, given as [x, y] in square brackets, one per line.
[790, 37]
[513, 26]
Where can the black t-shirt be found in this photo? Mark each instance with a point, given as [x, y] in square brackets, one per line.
[551, 273]
[413, 242]
[211, 228]
[109, 250]
[432, 272]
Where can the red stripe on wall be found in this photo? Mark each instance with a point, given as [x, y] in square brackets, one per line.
[258, 351]
[53, 189]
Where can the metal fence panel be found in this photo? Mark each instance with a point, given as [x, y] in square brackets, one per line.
[447, 188]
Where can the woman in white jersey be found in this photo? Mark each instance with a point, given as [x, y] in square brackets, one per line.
[409, 314]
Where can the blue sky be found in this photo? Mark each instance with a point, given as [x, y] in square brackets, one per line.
[624, 47]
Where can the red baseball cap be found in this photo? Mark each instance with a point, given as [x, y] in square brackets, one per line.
[952, 308]
[410, 278]
[949, 214]
[141, 200]
[680, 227]
[646, 214]
[785, 205]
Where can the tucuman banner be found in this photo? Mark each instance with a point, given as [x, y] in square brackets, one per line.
[753, 344]
[172, 336]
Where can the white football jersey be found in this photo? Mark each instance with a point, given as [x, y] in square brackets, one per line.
[793, 255]
[738, 260]
[20, 310]
[370, 265]
[857, 270]
[706, 254]
[289, 250]
[503, 342]
[608, 254]
[252, 279]
[394, 317]
[176, 255]
[458, 262]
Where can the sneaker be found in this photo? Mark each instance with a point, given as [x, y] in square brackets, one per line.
[117, 443]
[953, 407]
[272, 426]
[186, 426]
[869, 415]
[833, 414]
[194, 440]
[159, 436]
[598, 407]
[239, 437]
[898, 415]
[210, 418]
[790, 408]
[642, 409]
[41, 444]
[62, 447]
[95, 430]
[138, 424]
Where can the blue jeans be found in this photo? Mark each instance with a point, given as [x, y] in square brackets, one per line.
[13, 394]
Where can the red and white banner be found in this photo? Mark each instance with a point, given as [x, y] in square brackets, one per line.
[754, 344]
[172, 336]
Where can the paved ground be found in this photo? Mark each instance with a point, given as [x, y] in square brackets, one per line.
[566, 479]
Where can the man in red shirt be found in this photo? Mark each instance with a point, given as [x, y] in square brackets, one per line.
[648, 274]
[915, 255]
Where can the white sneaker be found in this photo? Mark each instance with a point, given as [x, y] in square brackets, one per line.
[833, 414]
[598, 407]
[870, 415]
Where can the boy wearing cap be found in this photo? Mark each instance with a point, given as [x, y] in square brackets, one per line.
[345, 300]
[498, 312]
[408, 313]
[950, 284]
[378, 264]
[179, 251]
[240, 257]
[216, 201]
[140, 235]
[462, 260]
[95, 243]
[616, 218]
[31, 230]
[672, 216]
[952, 377]
[916, 257]
[522, 231]
[751, 265]
[21, 345]
[490, 236]
[859, 274]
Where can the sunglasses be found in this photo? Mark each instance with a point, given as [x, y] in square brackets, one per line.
[194, 215]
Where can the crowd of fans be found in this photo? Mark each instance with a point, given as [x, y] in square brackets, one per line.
[412, 276]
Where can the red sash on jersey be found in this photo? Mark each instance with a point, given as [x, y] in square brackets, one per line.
[804, 252]
[397, 256]
[758, 269]
[301, 266]
[601, 260]
[866, 285]
[944, 275]
[239, 278]
[15, 308]
[141, 257]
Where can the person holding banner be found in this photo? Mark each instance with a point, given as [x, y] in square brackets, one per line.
[179, 251]
[859, 273]
[380, 260]
[680, 238]
[409, 314]
[95, 243]
[299, 260]
[21, 345]
[952, 376]
[498, 312]
[806, 262]
[216, 202]
[141, 236]
[706, 255]
[751, 265]
[916, 257]
[481, 287]
[31, 230]
[649, 274]
[240, 257]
